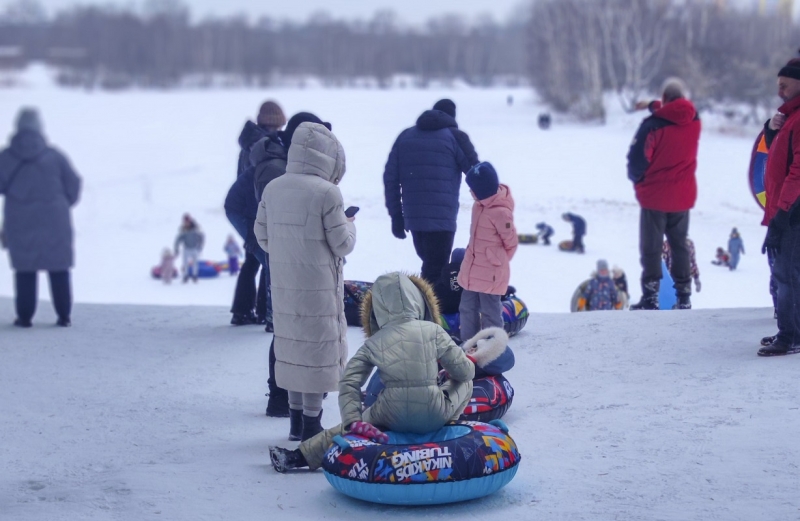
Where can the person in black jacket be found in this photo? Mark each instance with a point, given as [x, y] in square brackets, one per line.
[269, 121]
[40, 187]
[422, 180]
[447, 288]
[578, 230]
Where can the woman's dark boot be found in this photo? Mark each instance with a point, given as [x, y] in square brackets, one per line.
[312, 425]
[295, 425]
[285, 459]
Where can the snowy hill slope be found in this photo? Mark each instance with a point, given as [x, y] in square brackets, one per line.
[148, 157]
[144, 412]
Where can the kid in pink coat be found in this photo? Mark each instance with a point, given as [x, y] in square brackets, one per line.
[485, 271]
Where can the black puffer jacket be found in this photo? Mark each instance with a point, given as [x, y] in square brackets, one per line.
[268, 157]
[251, 133]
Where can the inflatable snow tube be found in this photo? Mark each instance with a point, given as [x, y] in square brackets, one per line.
[578, 302]
[491, 399]
[354, 293]
[666, 290]
[205, 270]
[459, 462]
[758, 169]
[527, 238]
[515, 316]
[565, 245]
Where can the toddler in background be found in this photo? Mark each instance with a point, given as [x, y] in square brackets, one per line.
[167, 266]
[233, 251]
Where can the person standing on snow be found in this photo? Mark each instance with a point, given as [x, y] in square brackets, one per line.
[302, 226]
[781, 215]
[486, 269]
[694, 269]
[662, 161]
[40, 187]
[192, 240]
[422, 180]
[735, 248]
[269, 121]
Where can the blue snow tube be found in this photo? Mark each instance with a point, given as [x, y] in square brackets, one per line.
[515, 316]
[461, 461]
[666, 292]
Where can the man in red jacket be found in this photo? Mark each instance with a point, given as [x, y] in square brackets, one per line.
[661, 163]
[781, 214]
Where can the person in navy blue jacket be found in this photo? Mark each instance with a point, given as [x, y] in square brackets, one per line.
[578, 230]
[422, 180]
[545, 232]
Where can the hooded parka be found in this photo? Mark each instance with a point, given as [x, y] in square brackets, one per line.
[405, 342]
[492, 243]
[301, 224]
[40, 187]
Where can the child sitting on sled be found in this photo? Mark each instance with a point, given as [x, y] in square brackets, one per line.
[406, 344]
[601, 292]
[722, 258]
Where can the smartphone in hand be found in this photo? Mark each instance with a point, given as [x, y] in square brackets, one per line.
[351, 211]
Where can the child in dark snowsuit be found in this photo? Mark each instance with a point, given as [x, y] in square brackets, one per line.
[601, 292]
[735, 249]
[578, 230]
[446, 288]
[545, 232]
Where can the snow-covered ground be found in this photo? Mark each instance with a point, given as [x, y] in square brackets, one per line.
[147, 412]
[148, 157]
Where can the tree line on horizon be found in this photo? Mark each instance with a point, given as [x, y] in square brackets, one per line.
[573, 52]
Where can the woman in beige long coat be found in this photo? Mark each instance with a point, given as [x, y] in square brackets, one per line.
[302, 225]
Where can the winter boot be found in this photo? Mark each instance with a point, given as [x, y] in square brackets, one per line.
[312, 425]
[22, 323]
[769, 340]
[243, 319]
[295, 425]
[64, 322]
[649, 299]
[779, 348]
[684, 302]
[278, 404]
[285, 459]
[269, 328]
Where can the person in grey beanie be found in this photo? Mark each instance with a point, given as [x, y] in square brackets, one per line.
[40, 187]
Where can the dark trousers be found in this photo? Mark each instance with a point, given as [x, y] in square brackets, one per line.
[245, 297]
[773, 285]
[786, 272]
[653, 226]
[27, 294]
[434, 249]
[577, 243]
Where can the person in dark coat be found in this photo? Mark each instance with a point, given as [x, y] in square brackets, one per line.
[240, 208]
[269, 121]
[446, 288]
[578, 230]
[422, 180]
[40, 187]
[545, 232]
[662, 161]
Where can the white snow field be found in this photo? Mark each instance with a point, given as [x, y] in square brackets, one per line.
[146, 412]
[148, 157]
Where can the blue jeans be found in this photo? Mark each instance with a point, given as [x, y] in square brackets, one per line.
[244, 227]
[786, 272]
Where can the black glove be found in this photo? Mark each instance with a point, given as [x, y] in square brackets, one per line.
[778, 224]
[399, 227]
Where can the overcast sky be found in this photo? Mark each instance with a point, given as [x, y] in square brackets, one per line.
[409, 11]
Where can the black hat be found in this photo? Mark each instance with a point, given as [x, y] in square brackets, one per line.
[482, 180]
[791, 69]
[295, 121]
[447, 106]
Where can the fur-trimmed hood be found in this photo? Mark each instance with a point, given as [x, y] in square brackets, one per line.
[396, 296]
[487, 346]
